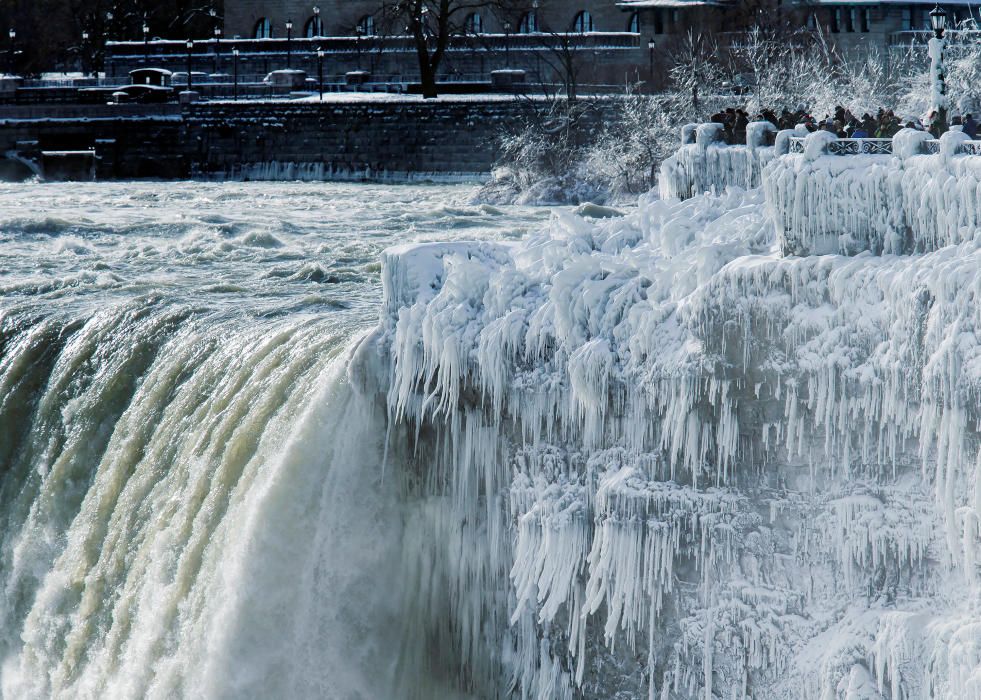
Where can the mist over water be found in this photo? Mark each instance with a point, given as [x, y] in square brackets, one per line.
[192, 501]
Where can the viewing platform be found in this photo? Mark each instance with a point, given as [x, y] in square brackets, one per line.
[909, 194]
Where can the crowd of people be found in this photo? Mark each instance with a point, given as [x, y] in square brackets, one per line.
[842, 123]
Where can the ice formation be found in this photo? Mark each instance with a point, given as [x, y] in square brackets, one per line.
[704, 163]
[653, 456]
[905, 202]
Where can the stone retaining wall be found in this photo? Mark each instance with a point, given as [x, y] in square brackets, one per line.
[397, 139]
[345, 140]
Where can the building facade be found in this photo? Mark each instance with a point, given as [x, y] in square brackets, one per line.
[605, 44]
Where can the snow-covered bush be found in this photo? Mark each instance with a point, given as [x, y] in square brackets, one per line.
[555, 156]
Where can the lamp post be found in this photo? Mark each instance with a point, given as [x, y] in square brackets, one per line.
[146, 42]
[289, 39]
[190, 48]
[650, 50]
[358, 30]
[10, 59]
[235, 71]
[320, 71]
[217, 48]
[507, 44]
[112, 64]
[938, 82]
[85, 51]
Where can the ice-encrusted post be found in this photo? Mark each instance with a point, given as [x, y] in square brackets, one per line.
[938, 82]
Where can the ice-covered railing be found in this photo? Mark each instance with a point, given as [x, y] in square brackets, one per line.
[855, 147]
[706, 163]
[915, 194]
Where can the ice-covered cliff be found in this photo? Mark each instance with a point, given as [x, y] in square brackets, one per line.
[651, 456]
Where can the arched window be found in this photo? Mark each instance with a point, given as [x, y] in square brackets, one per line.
[473, 24]
[529, 23]
[315, 27]
[582, 23]
[633, 24]
[366, 26]
[263, 29]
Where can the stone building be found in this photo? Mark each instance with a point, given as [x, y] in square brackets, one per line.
[604, 43]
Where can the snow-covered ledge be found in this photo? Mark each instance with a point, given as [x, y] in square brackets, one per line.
[705, 163]
[921, 197]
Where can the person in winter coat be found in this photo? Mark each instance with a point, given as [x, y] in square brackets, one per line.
[970, 127]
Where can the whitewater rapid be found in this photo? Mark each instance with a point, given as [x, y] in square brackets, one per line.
[192, 496]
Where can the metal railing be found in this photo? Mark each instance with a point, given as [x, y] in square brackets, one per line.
[853, 147]
[848, 147]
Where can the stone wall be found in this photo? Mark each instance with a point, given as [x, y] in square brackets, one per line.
[124, 142]
[393, 138]
[358, 139]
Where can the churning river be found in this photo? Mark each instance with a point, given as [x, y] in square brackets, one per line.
[190, 503]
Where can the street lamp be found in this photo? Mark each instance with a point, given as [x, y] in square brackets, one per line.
[10, 61]
[85, 51]
[938, 81]
[358, 31]
[217, 31]
[289, 39]
[650, 49]
[235, 70]
[146, 42]
[190, 48]
[320, 71]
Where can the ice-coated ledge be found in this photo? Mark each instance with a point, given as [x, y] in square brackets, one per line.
[825, 195]
[691, 466]
[910, 201]
[705, 163]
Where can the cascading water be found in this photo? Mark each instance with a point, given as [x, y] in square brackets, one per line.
[194, 500]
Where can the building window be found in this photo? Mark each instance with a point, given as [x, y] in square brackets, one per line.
[473, 24]
[528, 24]
[914, 19]
[850, 19]
[582, 23]
[263, 29]
[633, 24]
[866, 18]
[658, 22]
[835, 20]
[315, 27]
[366, 26]
[811, 21]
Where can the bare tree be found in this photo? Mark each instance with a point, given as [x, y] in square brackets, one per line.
[431, 24]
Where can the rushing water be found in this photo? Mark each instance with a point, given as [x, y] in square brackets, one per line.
[191, 500]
